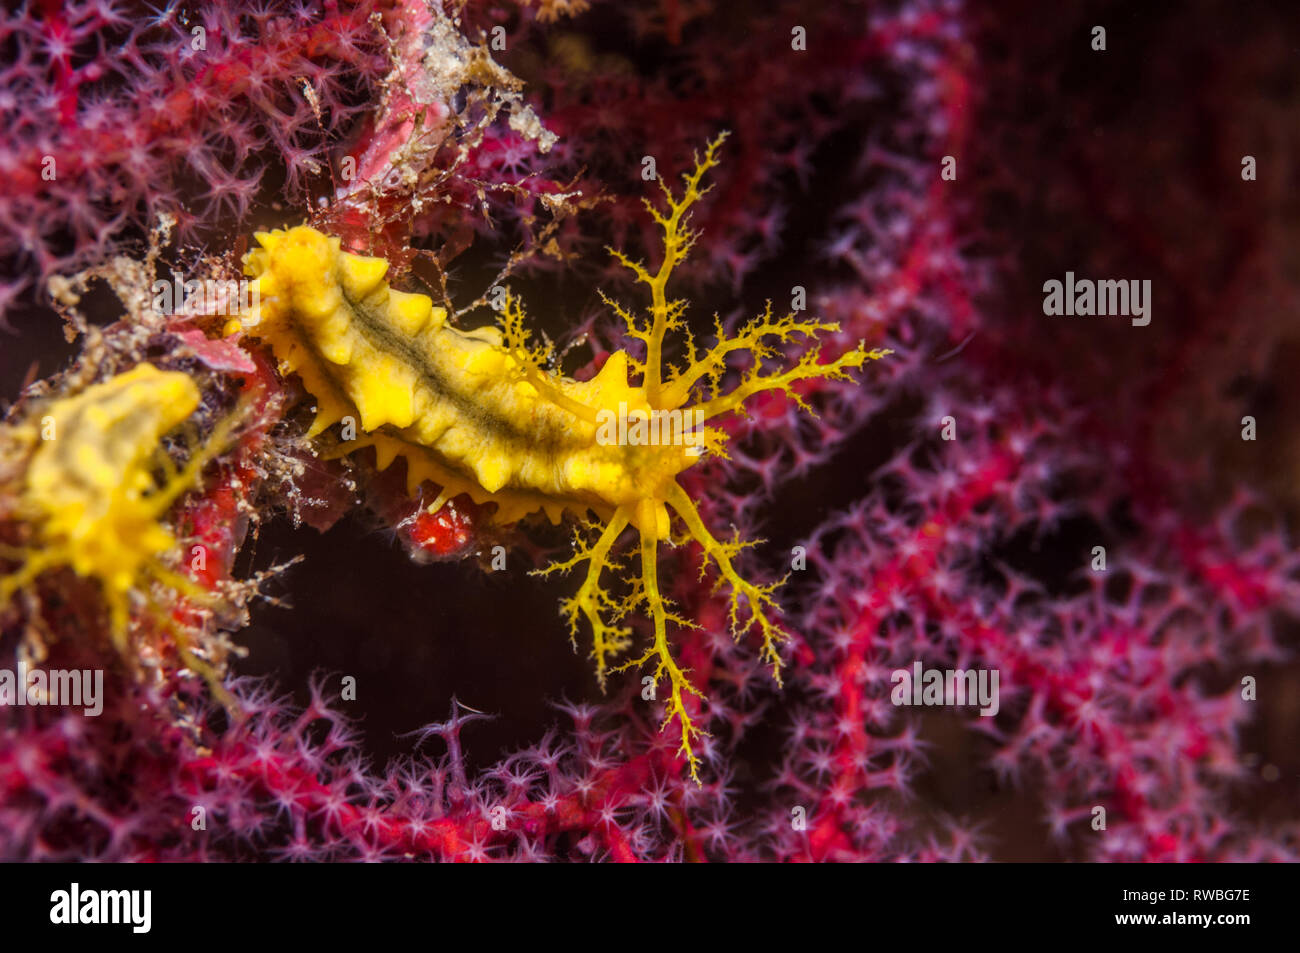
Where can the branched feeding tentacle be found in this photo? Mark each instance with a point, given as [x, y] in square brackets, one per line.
[592, 599]
[661, 654]
[758, 598]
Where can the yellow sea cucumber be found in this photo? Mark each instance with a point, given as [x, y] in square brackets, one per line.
[478, 412]
[90, 493]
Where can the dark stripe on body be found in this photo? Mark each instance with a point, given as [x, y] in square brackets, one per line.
[386, 340]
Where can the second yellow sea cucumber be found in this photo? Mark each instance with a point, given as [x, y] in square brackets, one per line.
[91, 495]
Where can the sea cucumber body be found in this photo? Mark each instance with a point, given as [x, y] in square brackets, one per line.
[478, 412]
[452, 403]
[88, 484]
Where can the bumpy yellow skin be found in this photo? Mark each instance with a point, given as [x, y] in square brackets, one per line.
[90, 493]
[477, 412]
[458, 405]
